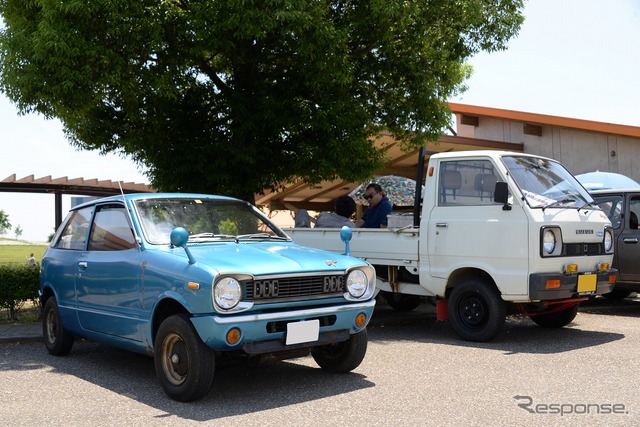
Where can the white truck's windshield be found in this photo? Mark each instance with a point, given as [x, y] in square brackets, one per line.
[546, 183]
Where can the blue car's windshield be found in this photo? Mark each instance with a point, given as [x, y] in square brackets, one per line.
[204, 219]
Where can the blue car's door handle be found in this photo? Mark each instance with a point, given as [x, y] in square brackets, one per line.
[82, 265]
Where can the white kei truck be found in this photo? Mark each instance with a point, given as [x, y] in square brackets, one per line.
[493, 231]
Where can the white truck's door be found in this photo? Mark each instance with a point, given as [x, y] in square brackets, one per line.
[467, 229]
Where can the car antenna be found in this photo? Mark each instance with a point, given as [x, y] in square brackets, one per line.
[126, 208]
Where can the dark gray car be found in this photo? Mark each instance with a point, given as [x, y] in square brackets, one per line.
[622, 206]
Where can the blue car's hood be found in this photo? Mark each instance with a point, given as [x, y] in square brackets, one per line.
[267, 258]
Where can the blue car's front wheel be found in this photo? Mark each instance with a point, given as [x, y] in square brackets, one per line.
[184, 364]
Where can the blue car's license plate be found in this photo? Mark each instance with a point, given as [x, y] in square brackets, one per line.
[299, 332]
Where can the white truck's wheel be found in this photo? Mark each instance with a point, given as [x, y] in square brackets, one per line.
[476, 311]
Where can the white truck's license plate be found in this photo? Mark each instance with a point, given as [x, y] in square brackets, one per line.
[587, 283]
[298, 332]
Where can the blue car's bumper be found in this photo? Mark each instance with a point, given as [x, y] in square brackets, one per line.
[266, 332]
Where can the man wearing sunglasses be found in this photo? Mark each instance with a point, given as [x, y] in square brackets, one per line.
[379, 207]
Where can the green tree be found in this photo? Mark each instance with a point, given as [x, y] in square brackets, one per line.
[4, 222]
[18, 231]
[240, 95]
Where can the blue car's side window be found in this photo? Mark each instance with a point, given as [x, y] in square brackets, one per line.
[111, 230]
[75, 231]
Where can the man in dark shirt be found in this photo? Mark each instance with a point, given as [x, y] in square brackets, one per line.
[379, 207]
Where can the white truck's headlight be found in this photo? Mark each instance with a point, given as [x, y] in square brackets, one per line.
[227, 293]
[357, 283]
[549, 241]
[608, 240]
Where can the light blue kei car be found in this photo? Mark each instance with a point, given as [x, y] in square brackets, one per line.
[191, 278]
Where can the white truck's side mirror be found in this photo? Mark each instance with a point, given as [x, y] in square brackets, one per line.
[501, 195]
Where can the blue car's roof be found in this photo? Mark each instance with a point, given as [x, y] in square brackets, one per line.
[146, 196]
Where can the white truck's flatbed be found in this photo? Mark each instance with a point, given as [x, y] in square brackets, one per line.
[377, 246]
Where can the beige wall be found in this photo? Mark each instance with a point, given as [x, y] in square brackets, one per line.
[579, 150]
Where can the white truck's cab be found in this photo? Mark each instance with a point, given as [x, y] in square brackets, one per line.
[494, 228]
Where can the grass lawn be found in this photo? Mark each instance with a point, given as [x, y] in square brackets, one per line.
[16, 251]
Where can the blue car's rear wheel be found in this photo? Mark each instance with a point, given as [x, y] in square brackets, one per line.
[184, 364]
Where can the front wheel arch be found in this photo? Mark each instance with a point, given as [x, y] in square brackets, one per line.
[165, 308]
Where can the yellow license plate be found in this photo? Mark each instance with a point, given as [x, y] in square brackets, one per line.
[587, 283]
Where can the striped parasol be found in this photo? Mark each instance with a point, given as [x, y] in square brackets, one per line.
[400, 190]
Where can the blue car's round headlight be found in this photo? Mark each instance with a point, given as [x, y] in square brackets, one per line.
[227, 293]
[357, 283]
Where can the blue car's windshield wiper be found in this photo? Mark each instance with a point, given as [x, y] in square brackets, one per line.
[209, 236]
[259, 236]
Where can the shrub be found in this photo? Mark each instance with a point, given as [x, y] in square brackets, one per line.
[18, 284]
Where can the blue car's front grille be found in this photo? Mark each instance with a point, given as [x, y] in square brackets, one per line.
[281, 288]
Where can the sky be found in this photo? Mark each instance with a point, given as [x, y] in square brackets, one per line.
[572, 58]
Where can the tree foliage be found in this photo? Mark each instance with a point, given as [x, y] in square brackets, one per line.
[5, 225]
[236, 96]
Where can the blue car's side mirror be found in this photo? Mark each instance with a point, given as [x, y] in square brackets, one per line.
[179, 238]
[345, 235]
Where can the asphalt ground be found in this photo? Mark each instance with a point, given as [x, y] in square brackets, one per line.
[32, 331]
[416, 372]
